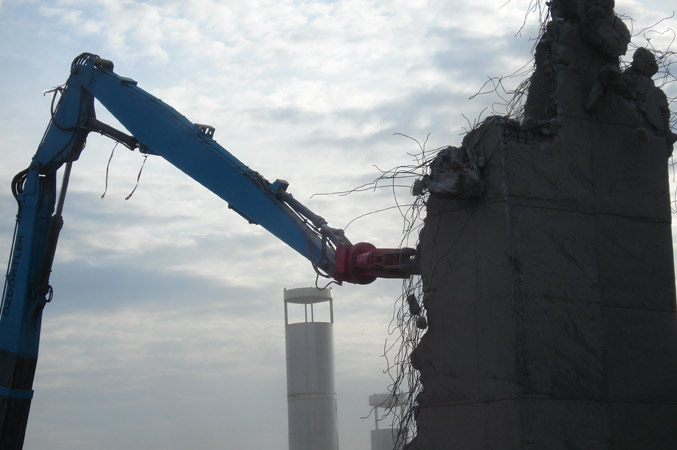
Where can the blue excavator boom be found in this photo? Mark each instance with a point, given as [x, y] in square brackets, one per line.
[155, 128]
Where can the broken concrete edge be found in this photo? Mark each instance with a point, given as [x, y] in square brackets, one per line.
[578, 55]
[551, 112]
[455, 172]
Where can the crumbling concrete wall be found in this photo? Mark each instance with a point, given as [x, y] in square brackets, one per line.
[550, 297]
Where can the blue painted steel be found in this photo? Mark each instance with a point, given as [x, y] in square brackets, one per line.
[21, 306]
[16, 393]
[160, 130]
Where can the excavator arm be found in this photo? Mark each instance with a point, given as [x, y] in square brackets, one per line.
[157, 129]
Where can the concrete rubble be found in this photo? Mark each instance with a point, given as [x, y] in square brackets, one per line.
[547, 261]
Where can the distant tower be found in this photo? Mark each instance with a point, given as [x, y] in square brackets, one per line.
[311, 393]
[383, 438]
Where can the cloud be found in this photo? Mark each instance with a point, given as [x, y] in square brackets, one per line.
[166, 328]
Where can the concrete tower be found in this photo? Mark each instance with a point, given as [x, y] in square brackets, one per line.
[551, 297]
[311, 392]
[383, 438]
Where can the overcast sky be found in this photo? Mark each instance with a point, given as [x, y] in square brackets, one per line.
[167, 329]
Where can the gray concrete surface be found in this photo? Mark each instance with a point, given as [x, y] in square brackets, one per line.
[551, 297]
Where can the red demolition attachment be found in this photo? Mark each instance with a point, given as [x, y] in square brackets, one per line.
[362, 263]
